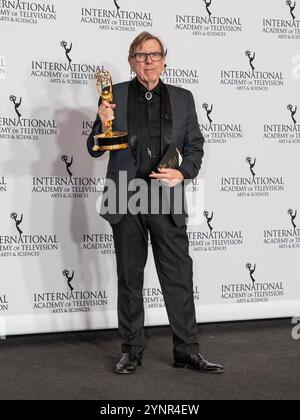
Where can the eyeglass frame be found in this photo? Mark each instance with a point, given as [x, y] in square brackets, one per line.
[146, 55]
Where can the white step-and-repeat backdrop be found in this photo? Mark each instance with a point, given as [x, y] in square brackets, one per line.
[241, 60]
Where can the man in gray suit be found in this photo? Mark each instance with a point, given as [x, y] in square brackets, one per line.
[157, 117]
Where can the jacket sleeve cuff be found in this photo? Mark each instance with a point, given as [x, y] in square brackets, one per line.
[184, 173]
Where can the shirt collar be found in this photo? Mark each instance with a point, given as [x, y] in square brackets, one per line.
[142, 90]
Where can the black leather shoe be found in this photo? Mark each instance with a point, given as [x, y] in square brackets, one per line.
[128, 363]
[197, 362]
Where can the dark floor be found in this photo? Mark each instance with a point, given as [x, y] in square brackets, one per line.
[262, 361]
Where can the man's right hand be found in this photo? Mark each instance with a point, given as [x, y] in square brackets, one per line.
[106, 114]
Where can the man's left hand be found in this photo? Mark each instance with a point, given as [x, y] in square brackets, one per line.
[170, 177]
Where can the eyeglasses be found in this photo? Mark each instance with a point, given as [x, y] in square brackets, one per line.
[143, 57]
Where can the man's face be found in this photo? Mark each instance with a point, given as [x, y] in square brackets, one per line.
[148, 71]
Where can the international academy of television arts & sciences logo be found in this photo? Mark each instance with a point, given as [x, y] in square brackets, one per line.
[255, 78]
[18, 126]
[286, 26]
[3, 184]
[153, 297]
[30, 12]
[288, 133]
[65, 72]
[216, 131]
[213, 239]
[181, 77]
[288, 237]
[86, 128]
[254, 185]
[3, 303]
[178, 76]
[252, 290]
[2, 67]
[24, 244]
[208, 23]
[69, 298]
[100, 242]
[116, 18]
[69, 186]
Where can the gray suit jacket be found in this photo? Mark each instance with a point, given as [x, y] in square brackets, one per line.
[183, 130]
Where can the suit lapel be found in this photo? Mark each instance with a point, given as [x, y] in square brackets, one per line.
[133, 119]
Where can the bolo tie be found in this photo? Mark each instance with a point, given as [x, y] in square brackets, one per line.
[148, 96]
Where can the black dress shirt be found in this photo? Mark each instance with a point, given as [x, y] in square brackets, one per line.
[149, 130]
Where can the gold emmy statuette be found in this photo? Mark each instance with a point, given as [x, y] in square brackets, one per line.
[110, 140]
